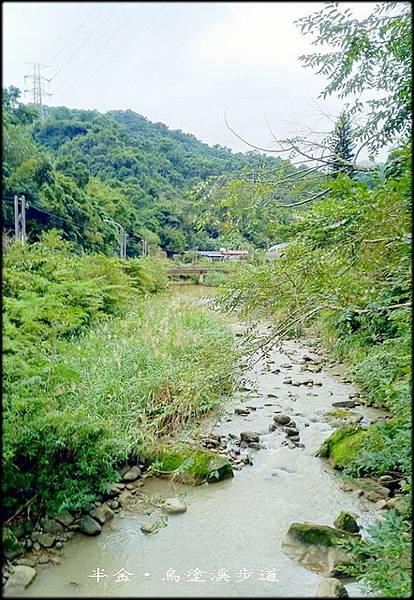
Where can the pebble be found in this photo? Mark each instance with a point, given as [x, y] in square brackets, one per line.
[59, 545]
[43, 560]
[148, 527]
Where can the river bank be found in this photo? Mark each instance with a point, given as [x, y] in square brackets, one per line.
[234, 524]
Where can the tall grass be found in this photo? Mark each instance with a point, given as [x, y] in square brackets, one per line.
[81, 400]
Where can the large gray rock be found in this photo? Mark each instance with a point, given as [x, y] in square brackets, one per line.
[89, 526]
[281, 419]
[345, 404]
[46, 540]
[125, 498]
[102, 513]
[242, 411]
[291, 431]
[174, 505]
[331, 588]
[21, 577]
[317, 548]
[25, 562]
[64, 518]
[249, 436]
[51, 526]
[133, 474]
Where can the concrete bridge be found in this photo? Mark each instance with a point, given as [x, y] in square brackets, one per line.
[187, 271]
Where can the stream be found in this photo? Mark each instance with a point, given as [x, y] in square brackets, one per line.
[232, 530]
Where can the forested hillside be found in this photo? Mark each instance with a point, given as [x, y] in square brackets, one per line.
[77, 168]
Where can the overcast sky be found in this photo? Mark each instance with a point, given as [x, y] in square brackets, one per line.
[181, 63]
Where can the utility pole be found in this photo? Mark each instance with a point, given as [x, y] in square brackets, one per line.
[20, 219]
[145, 247]
[122, 237]
[38, 92]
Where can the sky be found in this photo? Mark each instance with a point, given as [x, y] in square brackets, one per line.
[181, 63]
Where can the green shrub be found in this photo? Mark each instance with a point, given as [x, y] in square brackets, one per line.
[383, 560]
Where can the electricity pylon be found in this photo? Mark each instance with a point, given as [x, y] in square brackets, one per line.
[38, 91]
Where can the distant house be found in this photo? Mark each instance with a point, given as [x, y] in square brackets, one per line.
[235, 254]
[222, 254]
[276, 251]
[212, 256]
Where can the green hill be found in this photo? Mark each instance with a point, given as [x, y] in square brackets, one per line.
[79, 167]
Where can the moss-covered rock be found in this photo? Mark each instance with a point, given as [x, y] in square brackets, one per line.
[316, 534]
[343, 446]
[11, 547]
[190, 465]
[347, 522]
[318, 547]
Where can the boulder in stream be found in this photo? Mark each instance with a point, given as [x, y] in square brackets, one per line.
[64, 518]
[345, 404]
[132, 474]
[317, 548]
[249, 436]
[51, 526]
[89, 526]
[21, 577]
[102, 513]
[174, 505]
[281, 419]
[190, 464]
[343, 446]
[347, 522]
[291, 431]
[331, 588]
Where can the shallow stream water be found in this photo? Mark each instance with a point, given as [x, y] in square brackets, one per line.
[235, 525]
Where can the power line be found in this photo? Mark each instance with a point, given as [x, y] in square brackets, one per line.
[61, 32]
[139, 8]
[112, 9]
[31, 204]
[70, 39]
[117, 51]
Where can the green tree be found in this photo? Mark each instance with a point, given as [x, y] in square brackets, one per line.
[372, 55]
[342, 146]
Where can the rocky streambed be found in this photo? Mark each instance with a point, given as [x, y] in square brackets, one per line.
[159, 537]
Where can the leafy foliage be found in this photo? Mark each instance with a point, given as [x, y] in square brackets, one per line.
[384, 559]
[373, 54]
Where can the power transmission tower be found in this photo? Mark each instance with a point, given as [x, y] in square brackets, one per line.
[20, 219]
[38, 92]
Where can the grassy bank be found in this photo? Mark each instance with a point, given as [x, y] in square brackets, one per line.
[96, 370]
